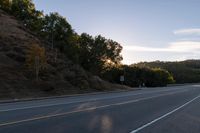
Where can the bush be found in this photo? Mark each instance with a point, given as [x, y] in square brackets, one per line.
[136, 76]
[36, 59]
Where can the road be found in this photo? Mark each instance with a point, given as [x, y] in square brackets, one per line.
[151, 110]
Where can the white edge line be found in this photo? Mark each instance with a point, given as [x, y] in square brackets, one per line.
[91, 100]
[163, 116]
[87, 109]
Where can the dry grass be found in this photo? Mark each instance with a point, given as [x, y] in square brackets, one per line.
[60, 78]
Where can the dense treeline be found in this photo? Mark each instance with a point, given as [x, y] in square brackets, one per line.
[90, 52]
[139, 76]
[183, 72]
[97, 54]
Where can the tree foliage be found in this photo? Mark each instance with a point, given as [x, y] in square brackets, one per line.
[136, 76]
[57, 29]
[23, 9]
[99, 55]
[96, 52]
[36, 59]
[183, 72]
[92, 53]
[5, 5]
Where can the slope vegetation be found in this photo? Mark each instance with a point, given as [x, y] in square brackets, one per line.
[60, 77]
[183, 72]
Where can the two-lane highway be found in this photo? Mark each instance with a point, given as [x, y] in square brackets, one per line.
[169, 109]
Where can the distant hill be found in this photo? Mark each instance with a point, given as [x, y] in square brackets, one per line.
[60, 77]
[183, 72]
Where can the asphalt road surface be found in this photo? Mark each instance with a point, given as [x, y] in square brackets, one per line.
[151, 110]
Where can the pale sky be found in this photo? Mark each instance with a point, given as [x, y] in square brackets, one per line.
[148, 30]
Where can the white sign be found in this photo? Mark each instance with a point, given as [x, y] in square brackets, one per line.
[122, 78]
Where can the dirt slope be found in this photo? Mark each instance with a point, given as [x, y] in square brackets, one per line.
[62, 77]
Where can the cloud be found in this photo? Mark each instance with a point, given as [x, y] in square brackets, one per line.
[174, 51]
[192, 31]
[178, 47]
[144, 49]
[185, 46]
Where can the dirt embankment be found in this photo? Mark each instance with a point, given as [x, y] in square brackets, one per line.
[62, 77]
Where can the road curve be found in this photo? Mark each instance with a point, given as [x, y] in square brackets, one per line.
[169, 109]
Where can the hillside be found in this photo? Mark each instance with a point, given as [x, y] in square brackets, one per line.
[60, 77]
[183, 72]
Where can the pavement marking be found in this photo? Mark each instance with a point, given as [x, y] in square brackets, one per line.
[163, 116]
[84, 110]
[82, 101]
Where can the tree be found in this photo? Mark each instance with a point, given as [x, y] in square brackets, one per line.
[57, 30]
[36, 59]
[5, 5]
[97, 52]
[86, 43]
[36, 22]
[114, 52]
[23, 9]
[159, 77]
[136, 76]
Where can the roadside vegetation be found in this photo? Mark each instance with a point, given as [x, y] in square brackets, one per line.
[139, 76]
[96, 54]
[183, 72]
[36, 59]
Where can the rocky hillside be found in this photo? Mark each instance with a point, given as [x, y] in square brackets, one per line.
[60, 77]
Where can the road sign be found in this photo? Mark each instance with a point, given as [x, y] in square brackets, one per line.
[122, 78]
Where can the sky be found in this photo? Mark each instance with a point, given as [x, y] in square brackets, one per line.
[148, 30]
